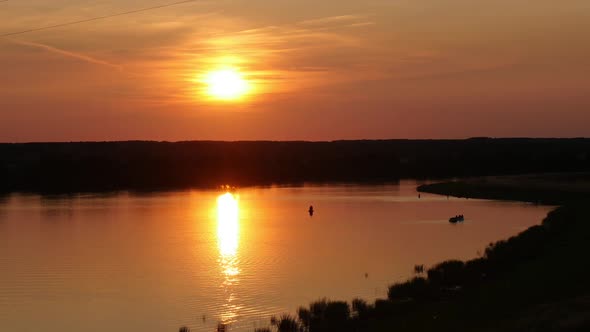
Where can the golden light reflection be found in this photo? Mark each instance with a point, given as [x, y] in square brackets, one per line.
[228, 232]
[228, 226]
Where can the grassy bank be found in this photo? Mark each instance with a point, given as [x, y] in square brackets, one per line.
[552, 189]
[537, 280]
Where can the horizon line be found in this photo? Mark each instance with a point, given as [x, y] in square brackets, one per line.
[304, 141]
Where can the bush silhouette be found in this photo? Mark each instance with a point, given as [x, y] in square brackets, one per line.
[417, 288]
[286, 323]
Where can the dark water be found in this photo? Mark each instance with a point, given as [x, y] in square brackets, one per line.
[195, 258]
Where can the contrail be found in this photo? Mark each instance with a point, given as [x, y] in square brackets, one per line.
[79, 56]
[95, 18]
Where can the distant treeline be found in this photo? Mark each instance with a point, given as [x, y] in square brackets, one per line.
[139, 165]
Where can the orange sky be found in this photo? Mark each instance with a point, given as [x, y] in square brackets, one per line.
[320, 70]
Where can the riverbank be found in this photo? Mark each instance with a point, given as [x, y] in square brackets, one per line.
[549, 189]
[65, 168]
[534, 281]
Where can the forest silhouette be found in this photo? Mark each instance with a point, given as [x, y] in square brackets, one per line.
[144, 165]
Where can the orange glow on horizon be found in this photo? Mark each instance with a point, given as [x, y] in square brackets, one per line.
[263, 70]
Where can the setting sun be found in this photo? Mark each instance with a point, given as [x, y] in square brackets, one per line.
[226, 84]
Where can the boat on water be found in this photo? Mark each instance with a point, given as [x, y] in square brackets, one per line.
[456, 219]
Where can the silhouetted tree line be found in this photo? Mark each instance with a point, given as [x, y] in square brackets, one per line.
[139, 165]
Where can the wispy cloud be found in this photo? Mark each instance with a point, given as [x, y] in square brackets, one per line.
[69, 54]
[330, 20]
[286, 57]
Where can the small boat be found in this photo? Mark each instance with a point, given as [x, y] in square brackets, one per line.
[456, 219]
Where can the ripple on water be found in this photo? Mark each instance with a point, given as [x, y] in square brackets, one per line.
[153, 263]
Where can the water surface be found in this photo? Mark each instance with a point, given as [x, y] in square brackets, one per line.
[155, 262]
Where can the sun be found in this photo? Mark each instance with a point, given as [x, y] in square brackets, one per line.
[226, 84]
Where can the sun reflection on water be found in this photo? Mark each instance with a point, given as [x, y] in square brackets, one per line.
[228, 226]
[228, 232]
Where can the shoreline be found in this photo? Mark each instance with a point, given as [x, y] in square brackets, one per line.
[534, 280]
[546, 189]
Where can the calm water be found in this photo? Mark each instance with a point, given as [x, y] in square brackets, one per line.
[155, 262]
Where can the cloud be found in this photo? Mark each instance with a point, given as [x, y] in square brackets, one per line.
[330, 20]
[278, 58]
[69, 54]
